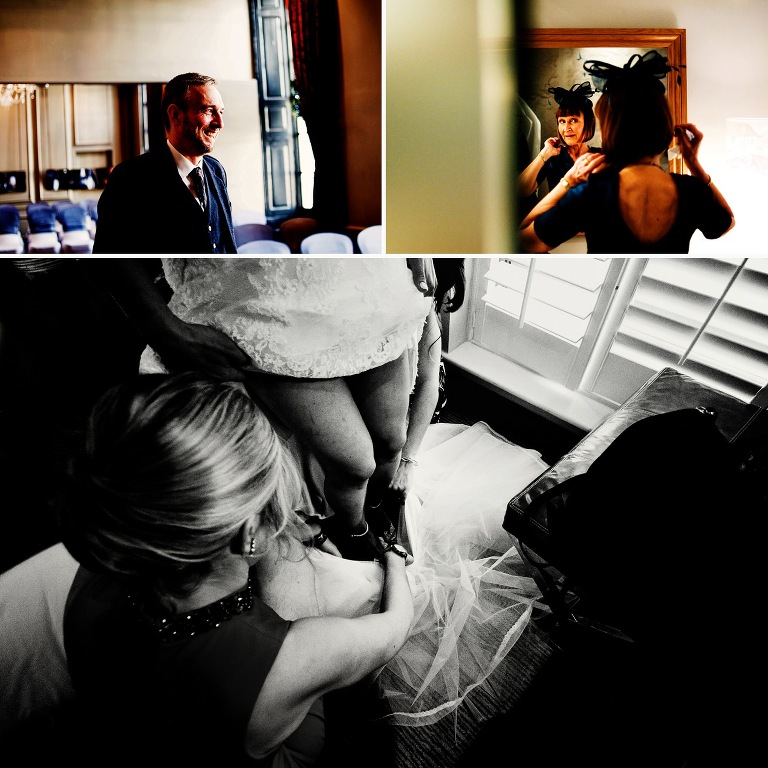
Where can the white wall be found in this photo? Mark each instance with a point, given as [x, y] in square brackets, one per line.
[433, 156]
[727, 77]
[123, 41]
[137, 41]
[449, 97]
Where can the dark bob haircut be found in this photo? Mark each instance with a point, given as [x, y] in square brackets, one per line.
[587, 113]
[635, 120]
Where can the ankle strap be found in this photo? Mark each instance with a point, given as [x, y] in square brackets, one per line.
[360, 535]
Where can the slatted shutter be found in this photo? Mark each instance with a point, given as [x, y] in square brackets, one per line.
[707, 317]
[543, 313]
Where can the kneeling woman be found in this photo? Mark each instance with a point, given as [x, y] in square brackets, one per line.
[183, 490]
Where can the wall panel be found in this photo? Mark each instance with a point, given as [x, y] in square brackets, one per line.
[114, 41]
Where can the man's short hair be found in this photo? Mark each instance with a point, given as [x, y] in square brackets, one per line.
[177, 89]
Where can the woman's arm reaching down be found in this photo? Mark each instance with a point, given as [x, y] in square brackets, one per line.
[323, 654]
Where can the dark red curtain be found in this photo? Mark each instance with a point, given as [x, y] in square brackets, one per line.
[316, 40]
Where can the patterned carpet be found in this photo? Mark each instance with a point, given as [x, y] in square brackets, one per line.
[359, 736]
[453, 740]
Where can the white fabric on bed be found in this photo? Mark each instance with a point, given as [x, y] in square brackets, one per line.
[33, 668]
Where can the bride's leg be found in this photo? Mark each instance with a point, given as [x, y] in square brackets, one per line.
[382, 397]
[323, 415]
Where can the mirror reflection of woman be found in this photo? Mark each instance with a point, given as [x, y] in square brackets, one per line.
[622, 198]
[575, 127]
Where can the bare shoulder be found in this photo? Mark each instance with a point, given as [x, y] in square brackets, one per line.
[648, 202]
[309, 664]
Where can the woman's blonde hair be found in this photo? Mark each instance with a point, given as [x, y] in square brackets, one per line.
[174, 466]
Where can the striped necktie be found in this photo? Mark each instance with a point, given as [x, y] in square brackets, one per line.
[198, 184]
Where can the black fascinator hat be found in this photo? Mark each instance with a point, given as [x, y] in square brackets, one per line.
[639, 71]
[634, 114]
[575, 98]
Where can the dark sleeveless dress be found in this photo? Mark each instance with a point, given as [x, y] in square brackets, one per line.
[185, 701]
[593, 208]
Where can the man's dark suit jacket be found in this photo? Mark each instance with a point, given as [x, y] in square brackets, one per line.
[146, 208]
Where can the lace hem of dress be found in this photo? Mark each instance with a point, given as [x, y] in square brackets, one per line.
[330, 363]
[316, 366]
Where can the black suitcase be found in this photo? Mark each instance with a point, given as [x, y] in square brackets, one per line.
[644, 490]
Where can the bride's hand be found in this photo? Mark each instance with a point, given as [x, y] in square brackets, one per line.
[403, 479]
[424, 277]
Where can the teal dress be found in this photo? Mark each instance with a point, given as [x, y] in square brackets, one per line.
[183, 699]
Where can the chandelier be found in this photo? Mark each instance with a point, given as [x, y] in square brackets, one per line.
[15, 93]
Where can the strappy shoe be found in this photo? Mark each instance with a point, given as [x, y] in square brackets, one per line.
[353, 546]
[388, 520]
[385, 516]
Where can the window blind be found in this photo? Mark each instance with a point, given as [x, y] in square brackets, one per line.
[553, 294]
[708, 317]
[543, 313]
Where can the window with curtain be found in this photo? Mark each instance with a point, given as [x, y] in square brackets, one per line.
[316, 51]
[604, 326]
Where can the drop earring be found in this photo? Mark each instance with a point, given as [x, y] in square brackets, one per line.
[252, 547]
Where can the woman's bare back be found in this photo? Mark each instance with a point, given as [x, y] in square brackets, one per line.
[648, 201]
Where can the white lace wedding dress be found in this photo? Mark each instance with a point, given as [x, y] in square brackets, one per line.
[317, 317]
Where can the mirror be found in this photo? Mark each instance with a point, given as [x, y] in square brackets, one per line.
[555, 57]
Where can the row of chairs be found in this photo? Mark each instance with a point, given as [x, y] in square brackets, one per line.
[67, 227]
[301, 235]
[59, 227]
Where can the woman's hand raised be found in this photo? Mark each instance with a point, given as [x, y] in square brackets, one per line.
[689, 137]
[551, 148]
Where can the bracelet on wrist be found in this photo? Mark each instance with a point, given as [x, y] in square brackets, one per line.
[565, 183]
[398, 549]
[409, 460]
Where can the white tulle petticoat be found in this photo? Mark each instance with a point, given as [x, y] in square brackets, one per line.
[472, 596]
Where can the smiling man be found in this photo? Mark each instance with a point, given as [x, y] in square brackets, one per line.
[173, 199]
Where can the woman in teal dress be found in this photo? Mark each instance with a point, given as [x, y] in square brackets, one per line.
[203, 626]
[183, 495]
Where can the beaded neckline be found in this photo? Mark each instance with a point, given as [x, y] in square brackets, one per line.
[200, 620]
